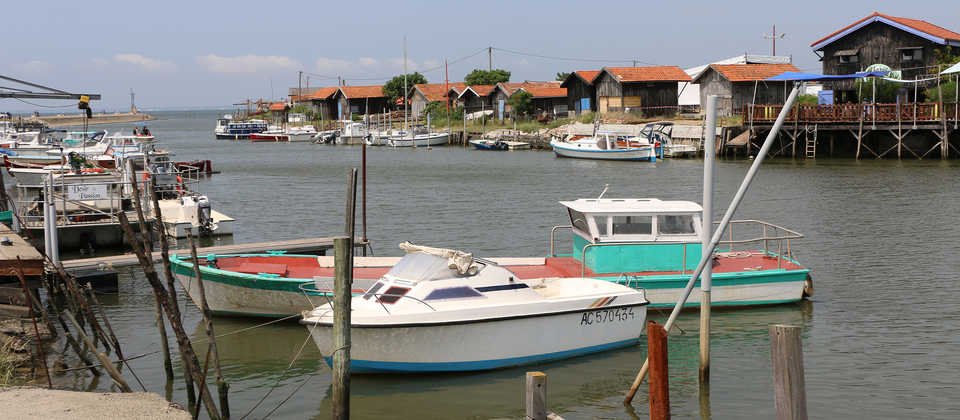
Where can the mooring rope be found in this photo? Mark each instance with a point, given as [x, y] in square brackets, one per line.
[279, 378]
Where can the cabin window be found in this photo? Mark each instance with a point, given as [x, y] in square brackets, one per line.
[373, 289]
[675, 225]
[453, 293]
[602, 223]
[393, 294]
[632, 225]
[911, 54]
[579, 221]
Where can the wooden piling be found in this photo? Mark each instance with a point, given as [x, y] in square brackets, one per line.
[786, 353]
[33, 316]
[343, 278]
[659, 376]
[104, 360]
[535, 400]
[222, 386]
[3, 195]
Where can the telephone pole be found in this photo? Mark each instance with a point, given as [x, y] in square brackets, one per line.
[774, 37]
[300, 87]
[490, 58]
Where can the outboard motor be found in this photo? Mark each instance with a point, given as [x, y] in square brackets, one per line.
[204, 216]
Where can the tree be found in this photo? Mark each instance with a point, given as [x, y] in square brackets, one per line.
[487, 77]
[521, 102]
[394, 88]
[887, 92]
[944, 57]
[561, 76]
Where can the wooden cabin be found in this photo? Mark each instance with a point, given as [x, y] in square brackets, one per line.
[350, 100]
[278, 112]
[426, 93]
[648, 90]
[899, 43]
[548, 98]
[739, 84]
[320, 102]
[477, 98]
[581, 95]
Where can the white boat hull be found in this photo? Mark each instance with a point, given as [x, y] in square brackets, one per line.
[615, 154]
[734, 295]
[488, 344]
[180, 229]
[419, 141]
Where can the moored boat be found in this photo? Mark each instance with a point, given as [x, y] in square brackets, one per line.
[237, 130]
[606, 146]
[419, 140]
[489, 144]
[442, 310]
[269, 136]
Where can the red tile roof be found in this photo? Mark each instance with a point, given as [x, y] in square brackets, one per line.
[647, 74]
[435, 92]
[750, 72]
[360, 92]
[278, 106]
[916, 24]
[481, 90]
[323, 93]
[537, 89]
[588, 75]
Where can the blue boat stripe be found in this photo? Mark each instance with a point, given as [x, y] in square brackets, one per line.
[372, 366]
[512, 286]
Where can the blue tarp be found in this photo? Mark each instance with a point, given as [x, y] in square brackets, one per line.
[811, 77]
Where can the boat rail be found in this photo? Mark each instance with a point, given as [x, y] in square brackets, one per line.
[767, 232]
[553, 233]
[102, 206]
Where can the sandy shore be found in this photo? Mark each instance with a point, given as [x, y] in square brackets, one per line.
[39, 403]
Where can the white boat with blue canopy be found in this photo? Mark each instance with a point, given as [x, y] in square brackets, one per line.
[441, 310]
[607, 146]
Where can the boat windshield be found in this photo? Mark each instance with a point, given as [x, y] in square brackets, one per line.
[416, 267]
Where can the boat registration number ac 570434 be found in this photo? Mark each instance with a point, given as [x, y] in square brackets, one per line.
[601, 316]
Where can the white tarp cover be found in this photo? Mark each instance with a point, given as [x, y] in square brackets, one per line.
[953, 69]
[460, 260]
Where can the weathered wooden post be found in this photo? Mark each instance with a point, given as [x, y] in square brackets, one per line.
[343, 274]
[659, 376]
[786, 353]
[535, 400]
[222, 387]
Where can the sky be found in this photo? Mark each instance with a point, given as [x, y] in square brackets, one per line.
[179, 54]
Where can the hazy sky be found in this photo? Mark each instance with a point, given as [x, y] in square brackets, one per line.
[206, 53]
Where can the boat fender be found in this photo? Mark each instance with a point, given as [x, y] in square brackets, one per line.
[808, 286]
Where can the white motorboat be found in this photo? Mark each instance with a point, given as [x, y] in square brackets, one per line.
[300, 133]
[192, 213]
[606, 146]
[419, 140]
[120, 137]
[442, 310]
[353, 133]
[662, 132]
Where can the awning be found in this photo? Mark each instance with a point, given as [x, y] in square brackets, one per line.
[811, 77]
[953, 69]
[842, 53]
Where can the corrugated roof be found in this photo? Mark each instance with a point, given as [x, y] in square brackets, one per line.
[355, 92]
[915, 24]
[750, 72]
[646, 74]
[435, 92]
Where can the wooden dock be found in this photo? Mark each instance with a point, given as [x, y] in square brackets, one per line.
[317, 246]
[18, 247]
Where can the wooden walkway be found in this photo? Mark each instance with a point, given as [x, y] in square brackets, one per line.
[19, 247]
[317, 246]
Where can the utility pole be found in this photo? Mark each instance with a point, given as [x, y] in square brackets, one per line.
[490, 58]
[774, 37]
[300, 86]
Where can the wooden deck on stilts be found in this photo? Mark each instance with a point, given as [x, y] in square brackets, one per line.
[309, 246]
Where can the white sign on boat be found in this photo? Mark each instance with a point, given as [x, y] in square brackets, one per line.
[87, 192]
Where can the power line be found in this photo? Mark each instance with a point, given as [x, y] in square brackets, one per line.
[44, 106]
[594, 60]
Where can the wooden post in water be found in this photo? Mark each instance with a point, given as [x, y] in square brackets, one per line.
[222, 387]
[104, 360]
[343, 276]
[786, 353]
[659, 377]
[535, 400]
[3, 195]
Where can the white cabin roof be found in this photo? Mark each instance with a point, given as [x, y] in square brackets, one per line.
[632, 206]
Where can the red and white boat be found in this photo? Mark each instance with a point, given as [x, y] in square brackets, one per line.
[269, 136]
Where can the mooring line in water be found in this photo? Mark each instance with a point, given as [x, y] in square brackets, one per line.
[101, 364]
[300, 386]
[250, 328]
[279, 378]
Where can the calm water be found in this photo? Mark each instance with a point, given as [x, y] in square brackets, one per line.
[880, 335]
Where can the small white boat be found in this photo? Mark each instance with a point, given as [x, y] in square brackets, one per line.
[662, 133]
[606, 146]
[352, 133]
[193, 214]
[300, 133]
[442, 310]
[419, 140]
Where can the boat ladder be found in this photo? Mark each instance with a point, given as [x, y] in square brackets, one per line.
[811, 141]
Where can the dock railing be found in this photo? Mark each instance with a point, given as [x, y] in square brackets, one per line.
[76, 203]
[913, 112]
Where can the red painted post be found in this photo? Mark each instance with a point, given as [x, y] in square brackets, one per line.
[659, 377]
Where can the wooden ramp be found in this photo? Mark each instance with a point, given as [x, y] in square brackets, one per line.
[295, 246]
[741, 139]
[18, 247]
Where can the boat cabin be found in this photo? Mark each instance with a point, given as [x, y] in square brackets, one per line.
[613, 235]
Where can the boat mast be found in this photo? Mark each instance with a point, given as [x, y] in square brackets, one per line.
[405, 86]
